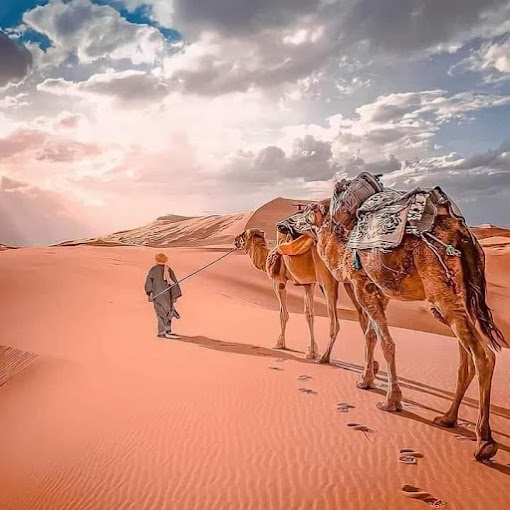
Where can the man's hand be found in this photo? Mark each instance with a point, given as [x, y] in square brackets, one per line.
[151, 297]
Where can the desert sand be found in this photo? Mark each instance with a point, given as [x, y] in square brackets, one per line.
[107, 416]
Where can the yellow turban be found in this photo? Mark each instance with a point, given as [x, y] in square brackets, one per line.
[161, 258]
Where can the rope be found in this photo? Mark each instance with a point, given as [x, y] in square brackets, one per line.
[434, 250]
[194, 273]
[450, 250]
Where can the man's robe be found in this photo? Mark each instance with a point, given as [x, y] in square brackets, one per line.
[163, 304]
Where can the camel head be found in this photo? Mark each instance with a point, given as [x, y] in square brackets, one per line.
[245, 240]
[305, 222]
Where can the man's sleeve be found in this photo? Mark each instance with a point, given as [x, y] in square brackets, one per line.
[148, 283]
[176, 289]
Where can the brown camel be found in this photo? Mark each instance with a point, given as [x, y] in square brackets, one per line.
[305, 269]
[413, 272]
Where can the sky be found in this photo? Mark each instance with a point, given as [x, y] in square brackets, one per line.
[115, 112]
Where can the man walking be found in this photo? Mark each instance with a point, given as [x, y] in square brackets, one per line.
[160, 278]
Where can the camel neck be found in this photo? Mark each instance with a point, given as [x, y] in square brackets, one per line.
[258, 253]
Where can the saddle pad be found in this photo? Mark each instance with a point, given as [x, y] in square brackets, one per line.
[384, 218]
[383, 228]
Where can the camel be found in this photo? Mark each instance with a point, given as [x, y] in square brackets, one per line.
[413, 272]
[305, 269]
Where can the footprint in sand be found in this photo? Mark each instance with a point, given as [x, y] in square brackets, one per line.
[344, 407]
[307, 390]
[304, 377]
[275, 368]
[367, 432]
[413, 492]
[409, 456]
[280, 360]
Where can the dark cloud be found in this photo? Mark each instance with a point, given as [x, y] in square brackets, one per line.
[497, 159]
[311, 160]
[237, 16]
[405, 26]
[357, 165]
[129, 87]
[15, 60]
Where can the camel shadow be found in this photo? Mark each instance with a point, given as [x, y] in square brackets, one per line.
[459, 431]
[295, 355]
[246, 349]
[424, 388]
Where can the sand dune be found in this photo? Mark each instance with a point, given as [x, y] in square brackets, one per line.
[173, 230]
[4, 247]
[110, 417]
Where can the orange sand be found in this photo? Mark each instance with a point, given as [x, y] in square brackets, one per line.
[109, 417]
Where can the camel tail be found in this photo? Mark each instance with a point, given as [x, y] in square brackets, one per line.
[473, 269]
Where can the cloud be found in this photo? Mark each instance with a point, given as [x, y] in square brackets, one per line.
[126, 86]
[310, 160]
[239, 17]
[215, 65]
[42, 145]
[492, 59]
[92, 32]
[15, 60]
[418, 106]
[401, 27]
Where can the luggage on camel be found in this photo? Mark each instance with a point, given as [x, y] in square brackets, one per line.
[384, 218]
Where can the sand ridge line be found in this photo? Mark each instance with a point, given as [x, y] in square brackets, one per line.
[13, 361]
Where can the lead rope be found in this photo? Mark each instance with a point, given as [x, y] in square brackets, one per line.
[195, 272]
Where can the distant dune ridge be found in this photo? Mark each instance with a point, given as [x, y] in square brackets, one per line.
[4, 247]
[216, 230]
[173, 230]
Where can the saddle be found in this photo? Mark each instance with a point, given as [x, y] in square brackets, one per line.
[385, 217]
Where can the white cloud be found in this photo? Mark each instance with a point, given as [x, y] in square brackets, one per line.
[92, 32]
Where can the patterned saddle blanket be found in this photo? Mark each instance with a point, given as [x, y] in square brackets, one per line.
[385, 217]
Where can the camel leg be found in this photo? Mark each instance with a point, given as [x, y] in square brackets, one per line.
[465, 374]
[313, 349]
[331, 292]
[366, 380]
[370, 300]
[281, 294]
[484, 362]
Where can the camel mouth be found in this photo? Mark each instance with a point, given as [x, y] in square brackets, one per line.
[288, 230]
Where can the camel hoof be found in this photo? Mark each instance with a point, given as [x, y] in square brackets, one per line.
[485, 450]
[362, 384]
[390, 407]
[311, 355]
[443, 421]
[324, 359]
[279, 346]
